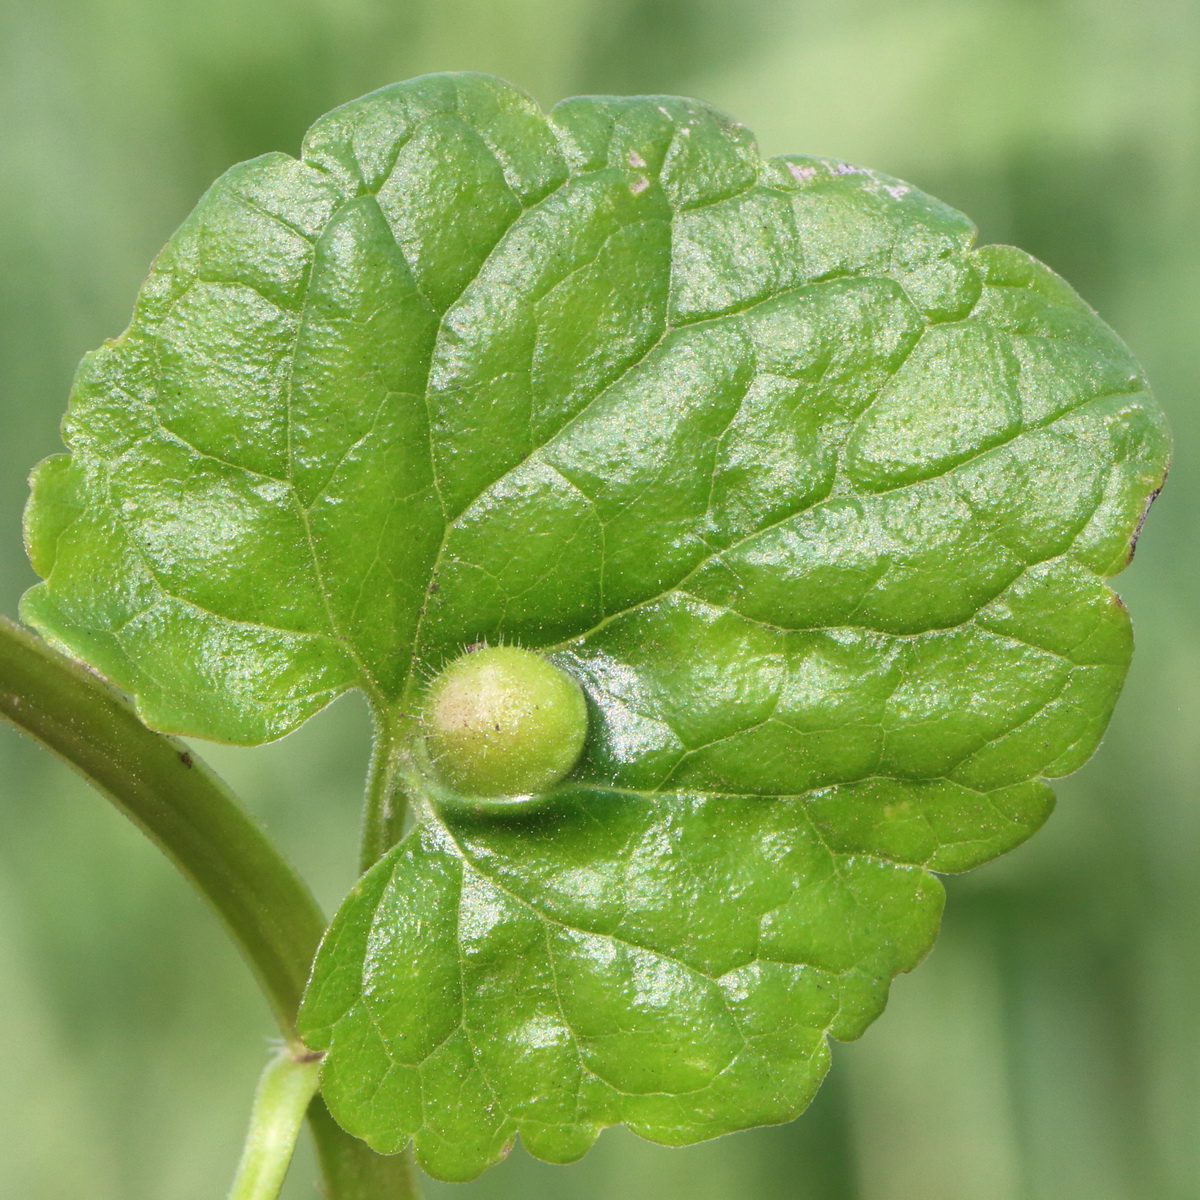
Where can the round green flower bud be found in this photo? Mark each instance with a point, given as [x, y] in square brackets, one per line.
[503, 721]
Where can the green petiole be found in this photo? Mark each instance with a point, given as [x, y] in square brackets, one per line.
[287, 1086]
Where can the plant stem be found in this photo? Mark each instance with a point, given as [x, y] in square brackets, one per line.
[285, 1089]
[178, 802]
[351, 1170]
[189, 813]
[386, 802]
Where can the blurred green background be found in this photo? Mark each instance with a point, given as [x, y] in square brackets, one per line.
[1050, 1047]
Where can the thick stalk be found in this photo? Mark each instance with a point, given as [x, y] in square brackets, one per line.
[352, 1171]
[285, 1089]
[386, 802]
[185, 809]
[181, 805]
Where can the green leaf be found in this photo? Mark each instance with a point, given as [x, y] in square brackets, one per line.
[814, 499]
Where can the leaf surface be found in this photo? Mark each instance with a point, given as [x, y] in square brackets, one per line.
[815, 499]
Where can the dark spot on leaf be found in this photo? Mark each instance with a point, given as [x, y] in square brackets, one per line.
[186, 758]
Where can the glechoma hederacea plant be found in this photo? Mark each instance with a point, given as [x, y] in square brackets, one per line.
[721, 546]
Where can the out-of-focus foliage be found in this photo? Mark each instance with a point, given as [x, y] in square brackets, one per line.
[1050, 1047]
